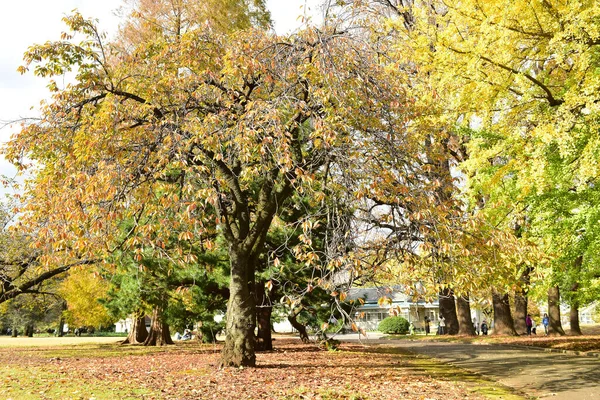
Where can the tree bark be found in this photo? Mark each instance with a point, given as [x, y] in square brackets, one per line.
[521, 302]
[14, 332]
[264, 340]
[465, 323]
[241, 314]
[61, 320]
[138, 333]
[298, 326]
[503, 321]
[520, 313]
[29, 330]
[555, 328]
[159, 334]
[448, 311]
[575, 329]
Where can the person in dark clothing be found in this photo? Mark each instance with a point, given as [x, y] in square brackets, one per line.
[484, 327]
[529, 324]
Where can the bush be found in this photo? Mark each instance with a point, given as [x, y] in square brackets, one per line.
[394, 325]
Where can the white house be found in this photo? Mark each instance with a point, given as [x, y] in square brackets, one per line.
[373, 311]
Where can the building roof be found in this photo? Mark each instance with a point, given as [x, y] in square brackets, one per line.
[395, 293]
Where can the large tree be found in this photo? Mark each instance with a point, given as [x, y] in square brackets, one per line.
[172, 130]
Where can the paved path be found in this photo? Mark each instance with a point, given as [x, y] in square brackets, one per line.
[537, 373]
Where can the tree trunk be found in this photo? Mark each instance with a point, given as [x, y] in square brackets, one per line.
[298, 326]
[520, 313]
[264, 340]
[61, 320]
[521, 302]
[241, 314]
[503, 321]
[29, 330]
[555, 328]
[465, 323]
[575, 329]
[159, 334]
[574, 318]
[14, 332]
[448, 311]
[138, 333]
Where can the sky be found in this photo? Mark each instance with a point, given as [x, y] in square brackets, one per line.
[25, 22]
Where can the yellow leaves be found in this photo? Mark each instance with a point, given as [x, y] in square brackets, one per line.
[186, 236]
[384, 300]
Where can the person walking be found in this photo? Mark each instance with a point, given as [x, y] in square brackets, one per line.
[442, 326]
[427, 330]
[476, 326]
[546, 322]
[529, 324]
[484, 327]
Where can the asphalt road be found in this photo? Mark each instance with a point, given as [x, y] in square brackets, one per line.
[537, 373]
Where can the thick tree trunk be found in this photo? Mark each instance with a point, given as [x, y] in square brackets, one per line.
[14, 332]
[463, 310]
[521, 302]
[555, 328]
[138, 333]
[503, 321]
[264, 340]
[448, 311]
[241, 314]
[159, 334]
[520, 313]
[298, 326]
[29, 330]
[575, 329]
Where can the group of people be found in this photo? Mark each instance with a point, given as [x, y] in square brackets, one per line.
[531, 325]
[187, 335]
[483, 328]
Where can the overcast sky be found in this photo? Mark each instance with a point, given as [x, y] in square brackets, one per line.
[25, 22]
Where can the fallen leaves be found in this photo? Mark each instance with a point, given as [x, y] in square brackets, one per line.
[188, 371]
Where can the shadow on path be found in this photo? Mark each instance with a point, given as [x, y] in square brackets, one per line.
[531, 371]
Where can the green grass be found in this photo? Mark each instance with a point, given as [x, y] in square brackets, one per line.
[35, 383]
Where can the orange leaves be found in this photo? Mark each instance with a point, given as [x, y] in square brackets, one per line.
[186, 236]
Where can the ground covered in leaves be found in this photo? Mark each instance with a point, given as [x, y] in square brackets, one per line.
[589, 342]
[585, 344]
[189, 371]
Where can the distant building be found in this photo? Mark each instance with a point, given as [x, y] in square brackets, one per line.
[587, 313]
[373, 311]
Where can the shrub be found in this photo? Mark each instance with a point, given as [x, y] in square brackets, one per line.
[394, 325]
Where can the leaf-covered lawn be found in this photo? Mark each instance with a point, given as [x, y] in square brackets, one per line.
[589, 342]
[574, 343]
[189, 371]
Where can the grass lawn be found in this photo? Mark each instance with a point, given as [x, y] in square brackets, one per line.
[189, 371]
